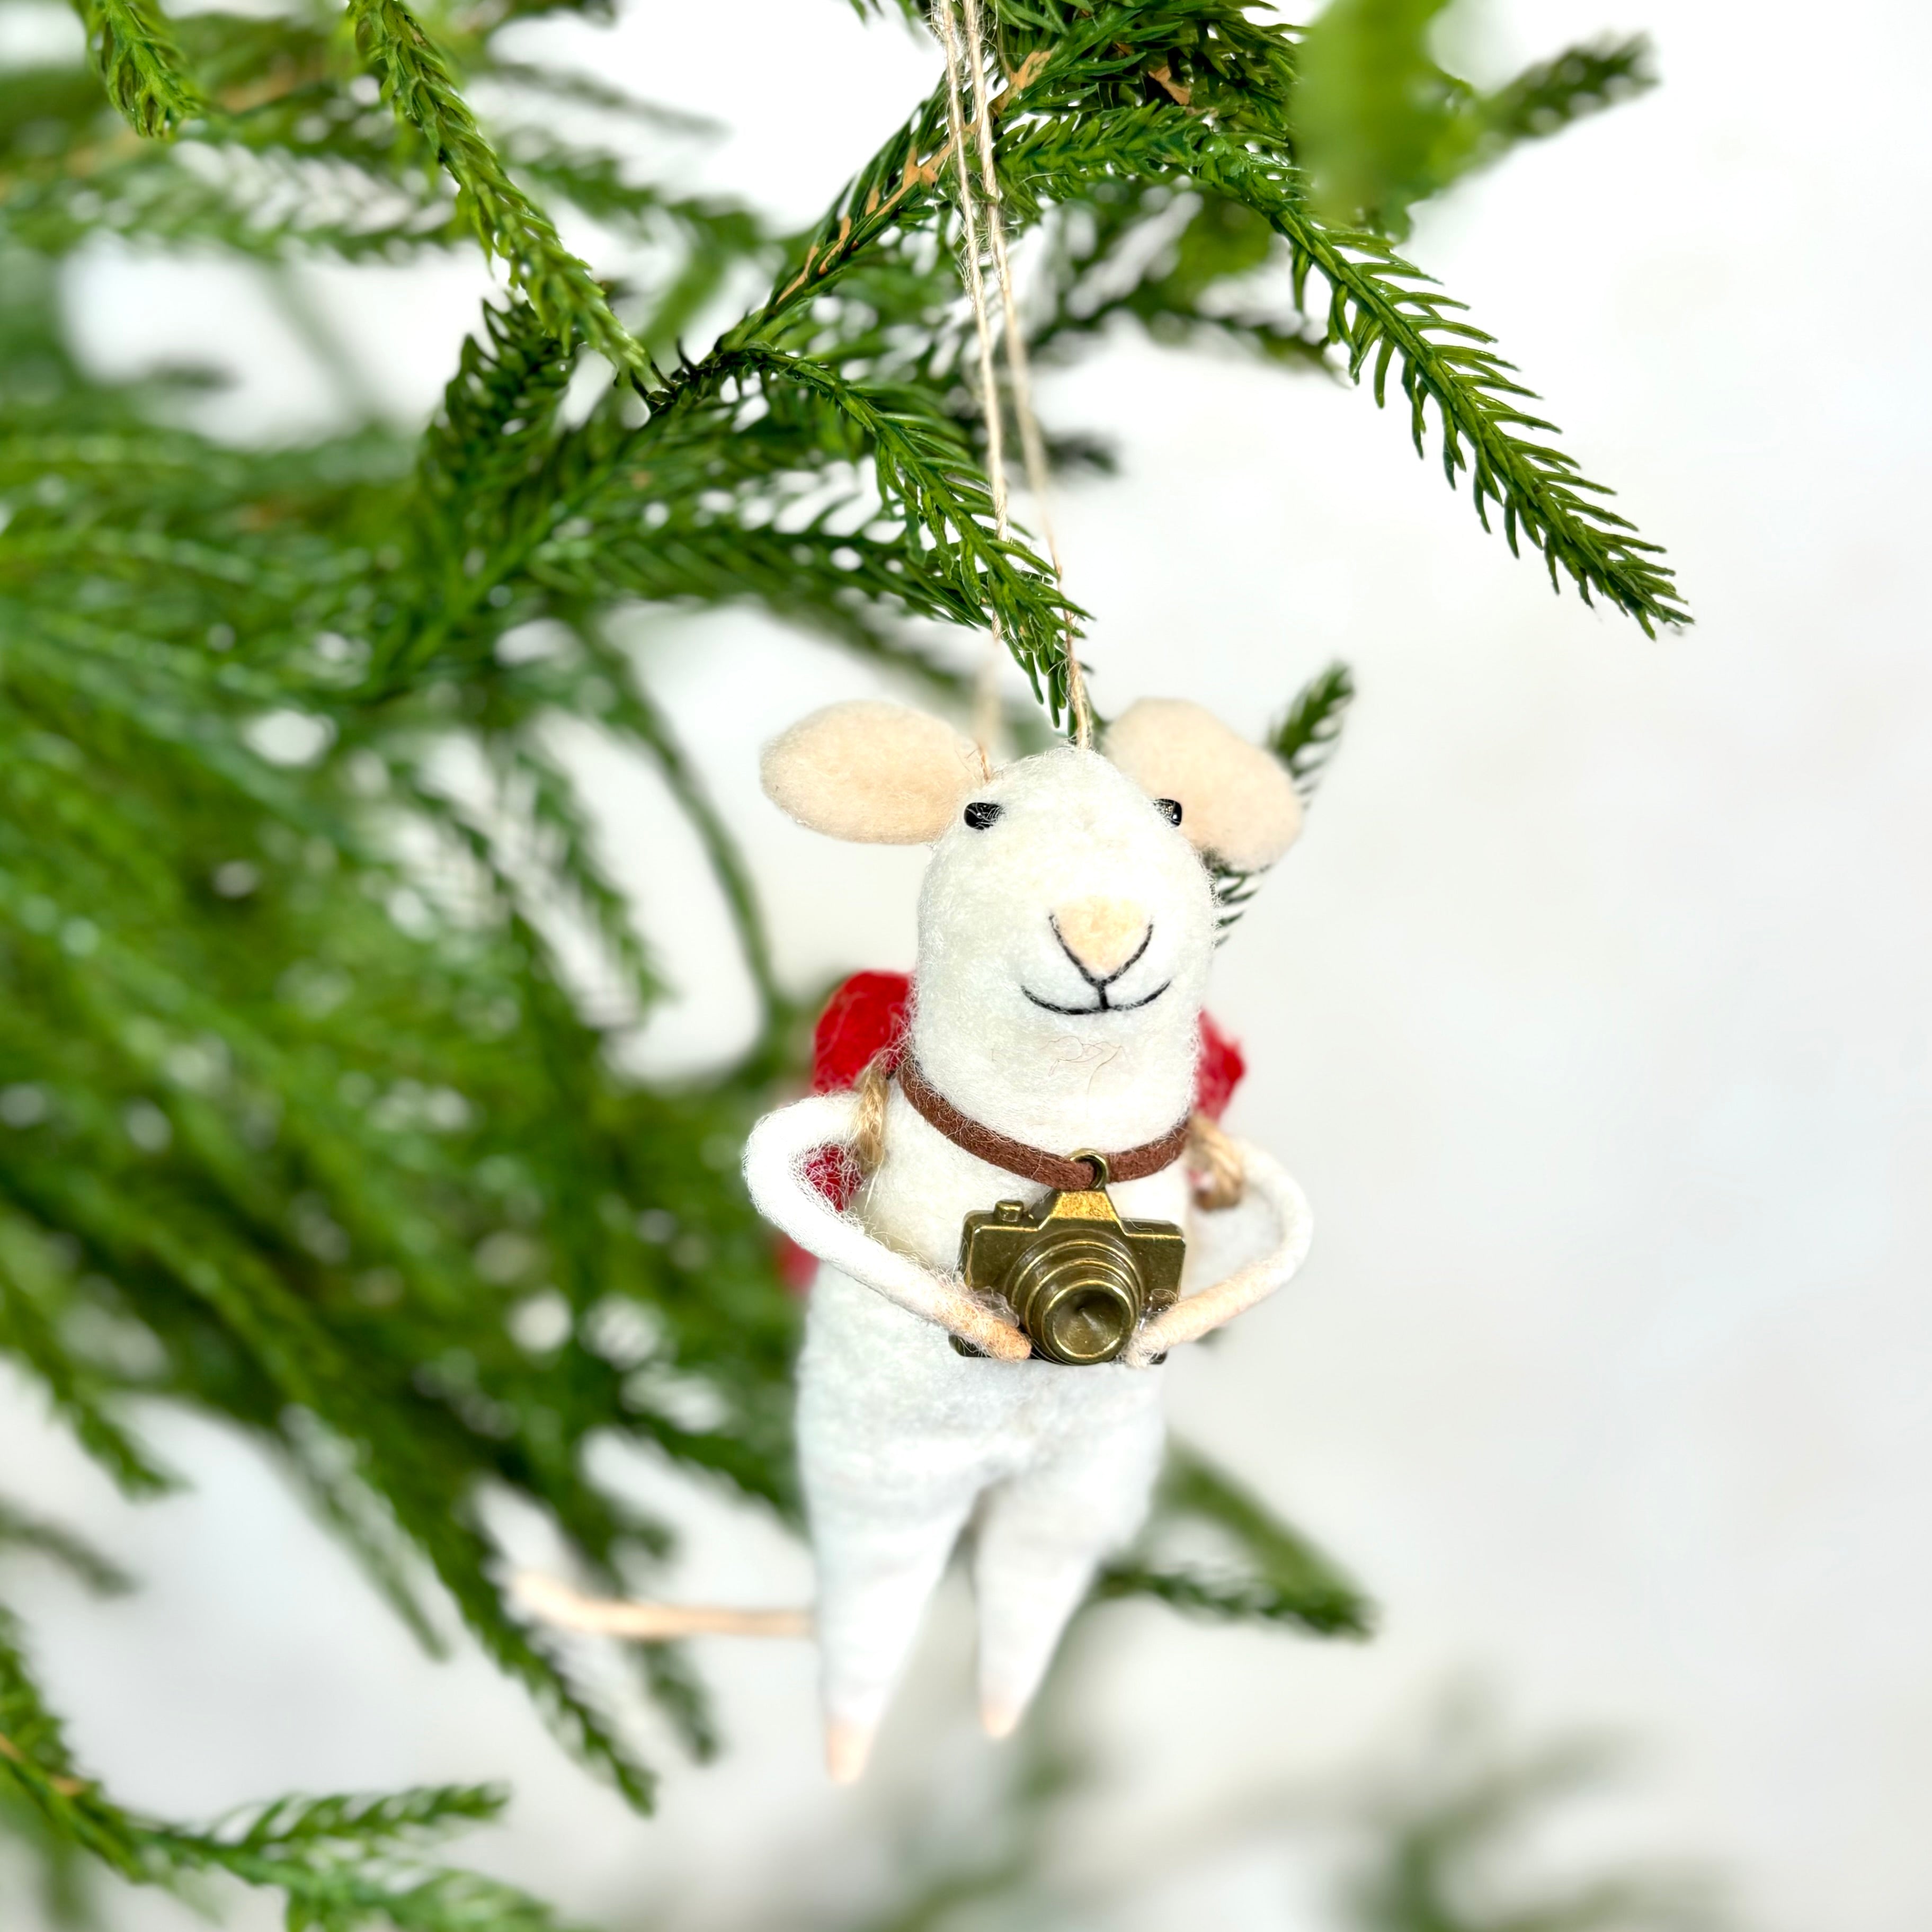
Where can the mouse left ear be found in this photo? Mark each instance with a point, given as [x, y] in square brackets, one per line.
[877, 773]
[1237, 803]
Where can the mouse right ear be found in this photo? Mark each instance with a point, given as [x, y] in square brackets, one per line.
[1237, 803]
[877, 773]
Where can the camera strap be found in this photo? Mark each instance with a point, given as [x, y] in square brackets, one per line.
[1055, 1171]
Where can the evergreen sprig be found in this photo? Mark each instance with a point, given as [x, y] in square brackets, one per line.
[417, 82]
[341, 1864]
[1381, 125]
[140, 65]
[1305, 739]
[1551, 95]
[1267, 1573]
[1382, 311]
[19, 1529]
[1195, 95]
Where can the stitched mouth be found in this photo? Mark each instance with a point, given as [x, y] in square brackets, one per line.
[1099, 984]
[1105, 1005]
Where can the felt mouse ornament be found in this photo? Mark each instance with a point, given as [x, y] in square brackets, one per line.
[1048, 1062]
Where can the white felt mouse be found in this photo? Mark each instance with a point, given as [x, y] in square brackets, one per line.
[1066, 926]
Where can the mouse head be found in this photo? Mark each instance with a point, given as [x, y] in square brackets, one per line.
[1067, 917]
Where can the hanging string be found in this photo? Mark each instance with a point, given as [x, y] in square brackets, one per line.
[986, 706]
[986, 691]
[1032, 446]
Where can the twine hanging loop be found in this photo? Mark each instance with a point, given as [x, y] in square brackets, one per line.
[1032, 446]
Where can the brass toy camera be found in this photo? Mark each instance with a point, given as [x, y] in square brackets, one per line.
[1079, 1279]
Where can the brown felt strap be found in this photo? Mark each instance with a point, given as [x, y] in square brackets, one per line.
[1032, 1163]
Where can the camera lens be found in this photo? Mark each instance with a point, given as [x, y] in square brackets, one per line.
[1077, 1294]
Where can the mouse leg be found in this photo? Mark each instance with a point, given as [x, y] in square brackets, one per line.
[888, 1487]
[1041, 1536]
[880, 1551]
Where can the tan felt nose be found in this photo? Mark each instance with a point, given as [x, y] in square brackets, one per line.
[1101, 934]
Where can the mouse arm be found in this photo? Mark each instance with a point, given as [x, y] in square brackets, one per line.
[775, 1162]
[1188, 1320]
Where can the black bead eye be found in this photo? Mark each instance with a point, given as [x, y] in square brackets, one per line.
[981, 813]
[1169, 809]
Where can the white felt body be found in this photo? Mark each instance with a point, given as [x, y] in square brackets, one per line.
[902, 1442]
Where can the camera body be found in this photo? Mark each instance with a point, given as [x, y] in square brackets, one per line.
[1078, 1279]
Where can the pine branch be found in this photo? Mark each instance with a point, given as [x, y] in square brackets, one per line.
[1305, 739]
[1553, 94]
[585, 90]
[498, 421]
[1382, 308]
[35, 1763]
[417, 82]
[1275, 1575]
[307, 1368]
[28, 1334]
[1382, 126]
[323, 1469]
[680, 1693]
[20, 1530]
[1181, 294]
[141, 66]
[252, 212]
[1066, 137]
[923, 466]
[342, 1864]
[559, 867]
[632, 713]
[892, 195]
[306, 1371]
[760, 498]
[1448, 1827]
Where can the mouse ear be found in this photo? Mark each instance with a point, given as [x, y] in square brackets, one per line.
[1237, 803]
[878, 773]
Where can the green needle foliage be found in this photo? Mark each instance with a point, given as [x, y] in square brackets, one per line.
[1382, 126]
[417, 82]
[1306, 736]
[313, 1118]
[1452, 1835]
[1304, 741]
[341, 1864]
[140, 65]
[1263, 1571]
[1446, 1839]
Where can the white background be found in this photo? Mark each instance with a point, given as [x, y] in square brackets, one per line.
[1590, 1013]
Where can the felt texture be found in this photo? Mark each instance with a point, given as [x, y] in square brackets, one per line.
[901, 1441]
[875, 773]
[864, 1017]
[1199, 1314]
[777, 1159]
[1101, 935]
[867, 1016]
[1237, 801]
[1220, 1071]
